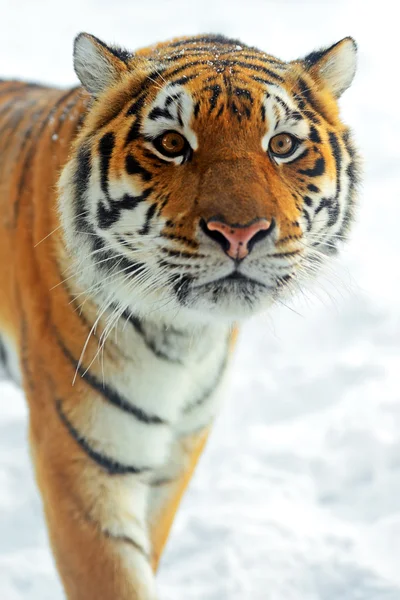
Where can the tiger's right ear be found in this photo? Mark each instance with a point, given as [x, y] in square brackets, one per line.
[97, 65]
[334, 67]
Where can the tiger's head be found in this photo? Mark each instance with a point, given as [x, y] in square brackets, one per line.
[208, 176]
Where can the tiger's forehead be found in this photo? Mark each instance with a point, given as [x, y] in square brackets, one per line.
[198, 62]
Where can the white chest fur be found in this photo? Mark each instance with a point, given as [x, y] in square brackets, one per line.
[170, 379]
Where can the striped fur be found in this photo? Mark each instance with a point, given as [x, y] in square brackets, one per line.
[117, 295]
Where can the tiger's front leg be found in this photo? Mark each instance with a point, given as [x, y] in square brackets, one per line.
[95, 509]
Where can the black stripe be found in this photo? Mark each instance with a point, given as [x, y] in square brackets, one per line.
[197, 51]
[106, 147]
[108, 215]
[137, 105]
[160, 482]
[220, 111]
[112, 467]
[314, 135]
[216, 92]
[87, 516]
[180, 238]
[158, 112]
[258, 68]
[353, 173]
[262, 80]
[139, 328]
[265, 59]
[210, 390]
[308, 219]
[308, 201]
[285, 254]
[134, 131]
[196, 109]
[288, 238]
[133, 167]
[127, 266]
[181, 253]
[172, 99]
[226, 63]
[3, 357]
[245, 93]
[149, 216]
[183, 67]
[306, 96]
[108, 393]
[317, 170]
[283, 104]
[183, 80]
[337, 153]
[126, 540]
[324, 203]
[81, 181]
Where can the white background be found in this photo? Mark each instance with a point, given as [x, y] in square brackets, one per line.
[298, 494]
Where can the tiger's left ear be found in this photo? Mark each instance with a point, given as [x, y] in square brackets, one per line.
[333, 68]
[97, 65]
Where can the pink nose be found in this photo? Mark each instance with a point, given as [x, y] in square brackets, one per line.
[238, 240]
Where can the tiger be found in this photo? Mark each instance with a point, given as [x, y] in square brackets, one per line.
[145, 214]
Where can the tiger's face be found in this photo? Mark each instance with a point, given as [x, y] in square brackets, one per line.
[208, 177]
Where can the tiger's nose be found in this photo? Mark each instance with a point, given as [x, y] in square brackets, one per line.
[237, 240]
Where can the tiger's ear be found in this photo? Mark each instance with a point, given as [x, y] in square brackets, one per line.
[333, 68]
[97, 65]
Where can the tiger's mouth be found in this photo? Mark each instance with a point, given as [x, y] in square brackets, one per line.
[235, 284]
[234, 279]
[237, 276]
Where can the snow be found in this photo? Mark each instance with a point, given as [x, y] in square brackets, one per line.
[297, 496]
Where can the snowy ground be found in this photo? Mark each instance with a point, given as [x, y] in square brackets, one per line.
[298, 494]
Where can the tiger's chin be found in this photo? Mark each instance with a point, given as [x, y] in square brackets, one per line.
[229, 299]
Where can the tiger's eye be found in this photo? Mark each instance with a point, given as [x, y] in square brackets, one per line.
[172, 143]
[282, 144]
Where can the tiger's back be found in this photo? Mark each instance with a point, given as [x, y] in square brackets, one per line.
[37, 125]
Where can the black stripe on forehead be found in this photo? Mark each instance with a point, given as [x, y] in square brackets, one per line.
[219, 65]
[223, 54]
[243, 93]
